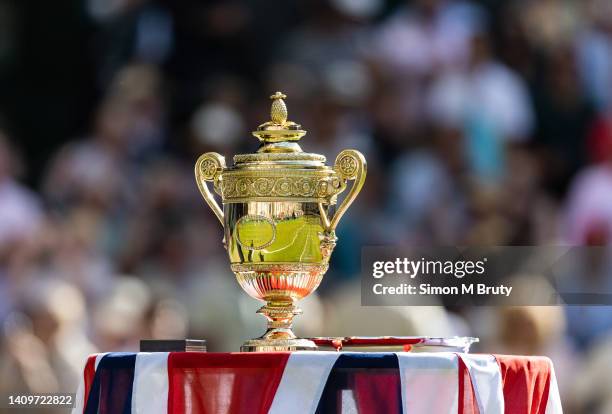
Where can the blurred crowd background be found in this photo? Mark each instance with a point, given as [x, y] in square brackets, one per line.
[485, 123]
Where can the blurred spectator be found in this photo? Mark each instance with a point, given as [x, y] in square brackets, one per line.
[588, 215]
[431, 35]
[595, 53]
[600, 139]
[565, 116]
[550, 23]
[489, 103]
[95, 171]
[130, 30]
[20, 210]
[591, 391]
[119, 319]
[417, 42]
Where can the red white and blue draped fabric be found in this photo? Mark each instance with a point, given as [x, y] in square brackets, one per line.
[316, 383]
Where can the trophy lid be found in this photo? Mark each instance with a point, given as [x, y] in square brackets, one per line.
[279, 141]
[279, 170]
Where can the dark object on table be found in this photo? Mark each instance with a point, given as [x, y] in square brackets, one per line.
[172, 345]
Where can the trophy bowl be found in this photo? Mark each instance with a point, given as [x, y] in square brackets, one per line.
[279, 215]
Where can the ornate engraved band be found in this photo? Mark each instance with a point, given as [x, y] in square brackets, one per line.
[302, 185]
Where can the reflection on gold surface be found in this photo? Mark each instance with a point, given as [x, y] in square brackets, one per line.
[295, 237]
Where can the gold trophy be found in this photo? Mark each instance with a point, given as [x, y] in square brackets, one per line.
[279, 221]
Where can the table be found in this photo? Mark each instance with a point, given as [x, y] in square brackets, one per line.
[317, 382]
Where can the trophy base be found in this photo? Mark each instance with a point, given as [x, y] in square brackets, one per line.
[278, 340]
[278, 345]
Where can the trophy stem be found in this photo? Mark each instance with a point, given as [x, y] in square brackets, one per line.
[278, 336]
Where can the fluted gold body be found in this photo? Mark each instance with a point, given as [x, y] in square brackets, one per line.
[279, 221]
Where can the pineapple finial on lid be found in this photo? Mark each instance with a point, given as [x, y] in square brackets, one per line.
[279, 129]
[278, 111]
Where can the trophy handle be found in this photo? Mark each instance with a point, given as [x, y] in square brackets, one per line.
[208, 168]
[349, 165]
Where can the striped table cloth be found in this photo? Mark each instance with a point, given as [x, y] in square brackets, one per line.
[316, 382]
